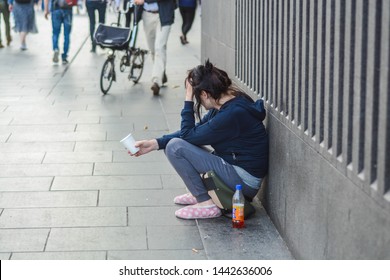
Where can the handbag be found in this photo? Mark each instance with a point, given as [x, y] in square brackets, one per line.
[222, 195]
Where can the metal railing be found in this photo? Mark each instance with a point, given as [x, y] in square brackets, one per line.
[323, 69]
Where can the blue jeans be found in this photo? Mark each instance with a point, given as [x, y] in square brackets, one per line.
[61, 17]
[190, 161]
[92, 6]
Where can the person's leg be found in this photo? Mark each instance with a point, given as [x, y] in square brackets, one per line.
[67, 20]
[190, 161]
[190, 16]
[160, 56]
[91, 16]
[102, 12]
[23, 44]
[183, 25]
[128, 15]
[186, 21]
[6, 15]
[183, 17]
[150, 22]
[56, 26]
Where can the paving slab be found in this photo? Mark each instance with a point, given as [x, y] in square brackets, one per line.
[38, 128]
[123, 156]
[98, 146]
[57, 136]
[90, 255]
[97, 238]
[63, 217]
[4, 136]
[48, 199]
[146, 216]
[173, 182]
[23, 240]
[138, 197]
[174, 237]
[78, 157]
[40, 170]
[33, 120]
[15, 158]
[107, 182]
[132, 168]
[5, 256]
[185, 254]
[25, 184]
[37, 147]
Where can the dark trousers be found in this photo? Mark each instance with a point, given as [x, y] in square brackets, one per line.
[4, 10]
[188, 16]
[128, 14]
[92, 6]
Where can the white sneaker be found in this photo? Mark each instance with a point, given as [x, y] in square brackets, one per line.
[55, 56]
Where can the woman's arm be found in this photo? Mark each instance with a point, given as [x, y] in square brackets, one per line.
[214, 127]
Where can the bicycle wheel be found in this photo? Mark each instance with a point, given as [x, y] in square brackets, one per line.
[107, 75]
[137, 66]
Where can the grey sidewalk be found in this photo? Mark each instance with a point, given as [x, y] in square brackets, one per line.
[68, 189]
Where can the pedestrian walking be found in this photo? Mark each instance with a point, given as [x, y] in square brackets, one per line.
[157, 17]
[60, 16]
[92, 6]
[129, 13]
[233, 127]
[187, 10]
[4, 10]
[24, 15]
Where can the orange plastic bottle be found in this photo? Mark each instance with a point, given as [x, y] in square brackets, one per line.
[238, 208]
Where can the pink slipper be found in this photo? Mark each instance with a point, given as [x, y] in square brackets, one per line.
[198, 212]
[185, 199]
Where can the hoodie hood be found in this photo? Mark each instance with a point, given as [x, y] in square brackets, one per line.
[255, 108]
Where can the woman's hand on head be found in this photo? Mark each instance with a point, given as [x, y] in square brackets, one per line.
[145, 146]
[189, 91]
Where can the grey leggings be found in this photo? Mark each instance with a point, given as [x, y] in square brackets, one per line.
[191, 161]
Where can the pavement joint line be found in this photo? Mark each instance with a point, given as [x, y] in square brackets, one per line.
[73, 58]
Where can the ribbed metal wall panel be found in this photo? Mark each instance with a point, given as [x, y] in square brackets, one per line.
[323, 68]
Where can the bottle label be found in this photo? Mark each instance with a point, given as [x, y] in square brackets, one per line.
[238, 212]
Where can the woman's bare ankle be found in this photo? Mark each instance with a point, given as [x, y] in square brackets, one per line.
[205, 203]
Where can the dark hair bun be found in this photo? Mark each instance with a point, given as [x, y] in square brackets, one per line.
[208, 66]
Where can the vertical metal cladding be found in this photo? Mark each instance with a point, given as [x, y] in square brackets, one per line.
[323, 69]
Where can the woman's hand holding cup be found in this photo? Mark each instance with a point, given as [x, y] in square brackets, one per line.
[145, 146]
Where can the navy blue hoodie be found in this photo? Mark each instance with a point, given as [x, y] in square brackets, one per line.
[235, 131]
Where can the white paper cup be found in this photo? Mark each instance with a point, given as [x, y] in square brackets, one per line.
[129, 143]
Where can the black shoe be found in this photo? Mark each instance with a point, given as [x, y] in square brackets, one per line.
[182, 40]
[65, 61]
[155, 88]
[164, 78]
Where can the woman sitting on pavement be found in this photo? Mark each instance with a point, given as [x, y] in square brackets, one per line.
[232, 127]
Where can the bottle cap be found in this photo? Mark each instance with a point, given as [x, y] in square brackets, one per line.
[238, 187]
